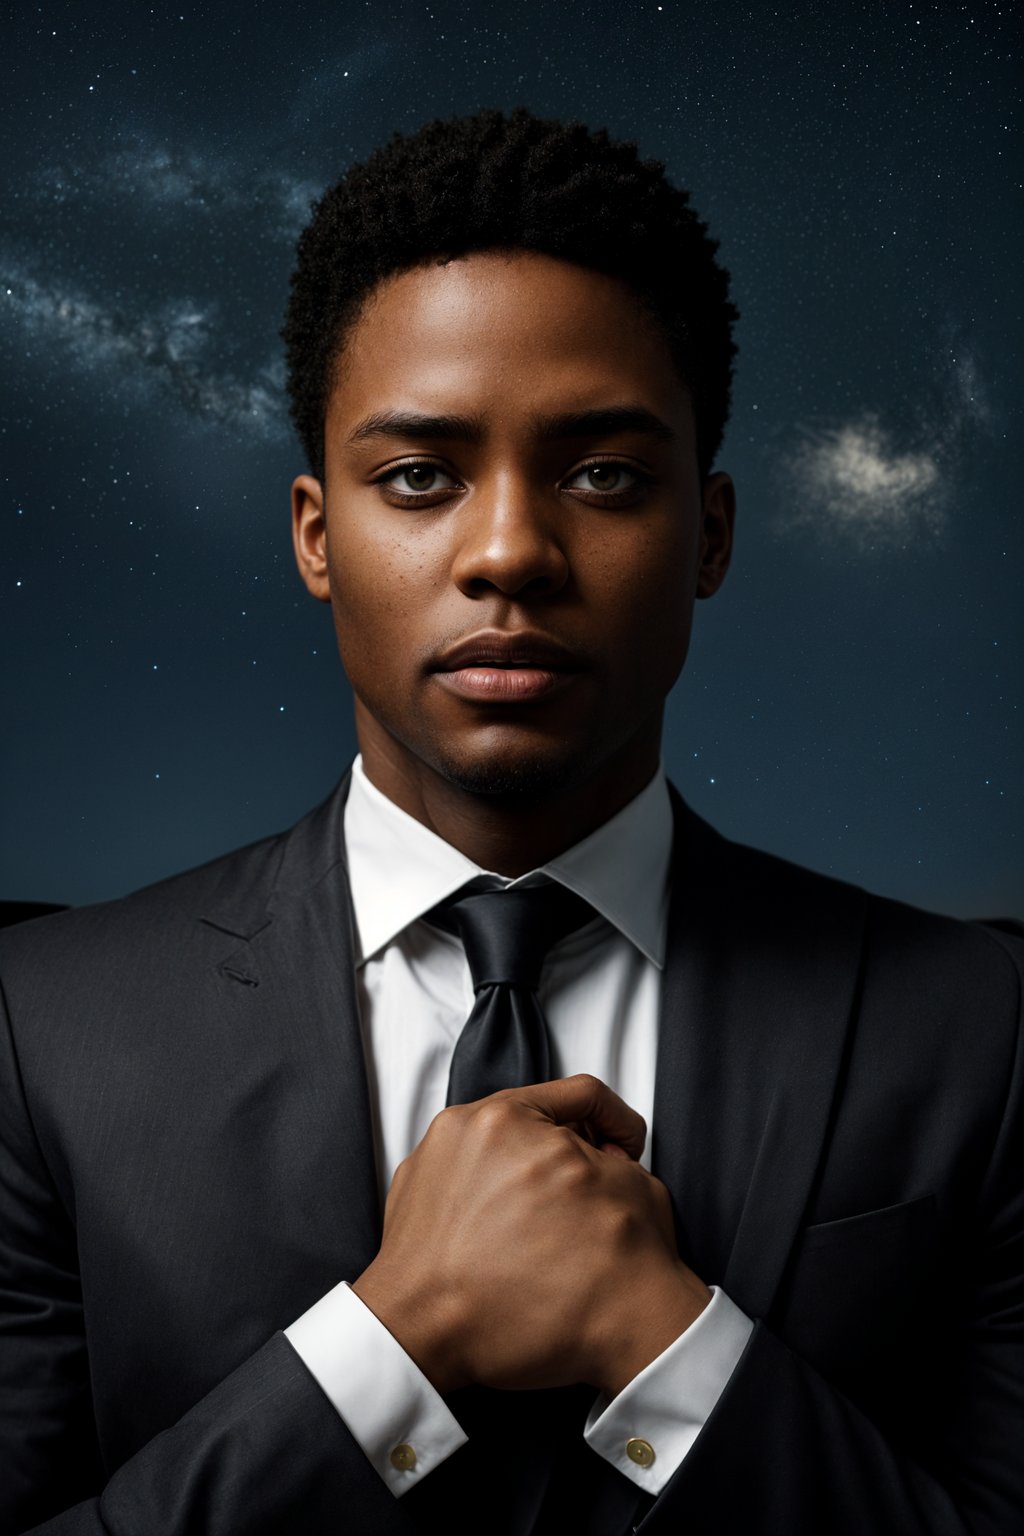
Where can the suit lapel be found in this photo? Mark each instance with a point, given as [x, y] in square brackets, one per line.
[758, 989]
[288, 969]
[759, 985]
[292, 976]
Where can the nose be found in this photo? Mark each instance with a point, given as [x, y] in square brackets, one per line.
[509, 540]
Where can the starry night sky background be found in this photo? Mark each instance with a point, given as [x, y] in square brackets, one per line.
[852, 696]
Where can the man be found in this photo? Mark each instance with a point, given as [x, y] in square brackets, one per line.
[342, 1190]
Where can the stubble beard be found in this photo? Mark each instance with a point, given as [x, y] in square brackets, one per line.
[518, 782]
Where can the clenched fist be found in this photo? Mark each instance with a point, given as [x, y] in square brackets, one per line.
[524, 1246]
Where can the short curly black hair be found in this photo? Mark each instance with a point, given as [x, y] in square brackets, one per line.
[516, 181]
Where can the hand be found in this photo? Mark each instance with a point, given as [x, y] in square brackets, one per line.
[521, 1252]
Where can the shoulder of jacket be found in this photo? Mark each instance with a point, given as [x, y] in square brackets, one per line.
[156, 908]
[988, 949]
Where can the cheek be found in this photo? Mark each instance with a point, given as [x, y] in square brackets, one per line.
[381, 589]
[646, 585]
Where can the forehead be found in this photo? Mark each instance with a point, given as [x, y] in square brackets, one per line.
[506, 334]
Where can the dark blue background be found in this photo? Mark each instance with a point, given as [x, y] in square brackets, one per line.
[170, 691]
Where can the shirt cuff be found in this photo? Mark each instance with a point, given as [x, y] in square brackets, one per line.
[395, 1414]
[647, 1428]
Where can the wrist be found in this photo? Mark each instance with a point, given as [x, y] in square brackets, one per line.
[420, 1322]
[648, 1315]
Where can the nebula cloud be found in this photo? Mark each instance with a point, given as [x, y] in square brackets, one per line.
[864, 485]
[168, 349]
[132, 324]
[853, 479]
[172, 179]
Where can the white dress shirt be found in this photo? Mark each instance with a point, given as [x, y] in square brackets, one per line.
[600, 990]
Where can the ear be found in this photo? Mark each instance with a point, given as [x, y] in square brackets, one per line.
[309, 535]
[718, 517]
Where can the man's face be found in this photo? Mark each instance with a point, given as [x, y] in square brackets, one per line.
[516, 513]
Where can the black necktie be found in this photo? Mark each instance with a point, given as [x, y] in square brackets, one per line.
[506, 934]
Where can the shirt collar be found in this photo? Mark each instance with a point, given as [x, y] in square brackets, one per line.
[399, 869]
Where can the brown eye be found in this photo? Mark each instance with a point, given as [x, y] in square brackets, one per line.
[410, 480]
[605, 477]
[609, 478]
[420, 477]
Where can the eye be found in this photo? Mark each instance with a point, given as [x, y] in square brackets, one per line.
[421, 478]
[609, 477]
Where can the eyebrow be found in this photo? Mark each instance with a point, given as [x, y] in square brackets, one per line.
[546, 429]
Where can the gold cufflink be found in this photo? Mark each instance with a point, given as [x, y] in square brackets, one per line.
[640, 1451]
[403, 1457]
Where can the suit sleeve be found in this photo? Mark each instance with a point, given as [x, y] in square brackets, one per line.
[785, 1450]
[263, 1452]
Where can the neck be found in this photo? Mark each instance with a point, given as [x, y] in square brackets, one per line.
[508, 830]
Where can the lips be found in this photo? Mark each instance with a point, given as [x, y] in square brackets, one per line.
[508, 648]
[502, 666]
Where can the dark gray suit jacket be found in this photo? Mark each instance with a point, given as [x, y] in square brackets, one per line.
[186, 1165]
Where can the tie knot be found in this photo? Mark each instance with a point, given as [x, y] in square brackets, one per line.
[507, 933]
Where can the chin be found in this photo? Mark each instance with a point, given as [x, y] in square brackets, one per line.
[507, 777]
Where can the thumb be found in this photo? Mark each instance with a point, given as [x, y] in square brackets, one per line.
[585, 1098]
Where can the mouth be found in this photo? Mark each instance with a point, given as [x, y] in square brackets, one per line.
[506, 650]
[503, 666]
[504, 683]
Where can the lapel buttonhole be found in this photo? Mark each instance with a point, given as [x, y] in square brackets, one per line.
[236, 973]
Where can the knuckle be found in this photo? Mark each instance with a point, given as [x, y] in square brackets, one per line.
[574, 1172]
[493, 1114]
[566, 1159]
[447, 1125]
[588, 1081]
[443, 1121]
